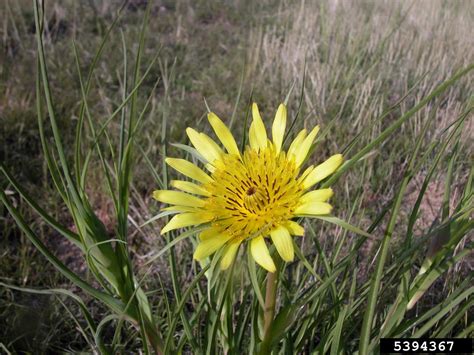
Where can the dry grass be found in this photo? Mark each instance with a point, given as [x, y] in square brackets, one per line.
[374, 51]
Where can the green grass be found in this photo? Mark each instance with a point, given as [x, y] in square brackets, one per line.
[368, 70]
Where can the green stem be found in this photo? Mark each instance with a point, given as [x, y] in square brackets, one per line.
[269, 310]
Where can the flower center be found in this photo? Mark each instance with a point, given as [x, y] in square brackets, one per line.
[251, 191]
[254, 194]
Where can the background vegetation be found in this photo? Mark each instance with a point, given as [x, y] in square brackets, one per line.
[364, 64]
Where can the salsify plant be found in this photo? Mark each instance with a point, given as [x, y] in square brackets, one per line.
[260, 194]
[249, 195]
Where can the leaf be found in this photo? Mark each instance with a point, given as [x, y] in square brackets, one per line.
[194, 153]
[254, 278]
[111, 302]
[175, 241]
[157, 217]
[343, 224]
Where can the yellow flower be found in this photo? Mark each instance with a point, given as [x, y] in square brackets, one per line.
[248, 196]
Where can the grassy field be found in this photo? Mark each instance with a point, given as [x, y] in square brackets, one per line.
[353, 67]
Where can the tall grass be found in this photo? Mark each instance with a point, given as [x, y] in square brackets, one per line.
[400, 115]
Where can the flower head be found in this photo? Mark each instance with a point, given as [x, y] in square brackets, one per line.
[252, 195]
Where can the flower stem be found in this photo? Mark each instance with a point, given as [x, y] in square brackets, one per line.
[269, 310]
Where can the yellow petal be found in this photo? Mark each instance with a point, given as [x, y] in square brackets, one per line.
[211, 168]
[210, 245]
[305, 173]
[257, 128]
[180, 209]
[278, 128]
[186, 220]
[302, 150]
[283, 243]
[294, 228]
[296, 142]
[210, 142]
[320, 195]
[253, 140]
[313, 208]
[204, 145]
[190, 187]
[188, 169]
[223, 133]
[323, 170]
[261, 255]
[209, 233]
[229, 254]
[177, 198]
